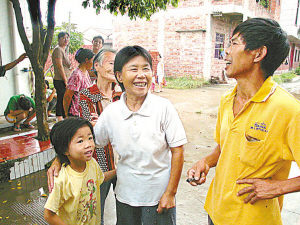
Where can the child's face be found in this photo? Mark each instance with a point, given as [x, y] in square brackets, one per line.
[82, 146]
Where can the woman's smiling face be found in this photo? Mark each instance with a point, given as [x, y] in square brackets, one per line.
[136, 77]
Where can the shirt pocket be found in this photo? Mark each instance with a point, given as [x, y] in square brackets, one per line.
[252, 152]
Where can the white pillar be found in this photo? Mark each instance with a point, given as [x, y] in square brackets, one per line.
[208, 48]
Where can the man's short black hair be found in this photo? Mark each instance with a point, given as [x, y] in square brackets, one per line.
[100, 37]
[259, 32]
[24, 102]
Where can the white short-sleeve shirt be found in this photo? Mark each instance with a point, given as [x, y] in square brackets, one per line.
[142, 140]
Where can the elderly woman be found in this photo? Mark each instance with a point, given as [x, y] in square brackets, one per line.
[61, 64]
[148, 136]
[94, 99]
[78, 80]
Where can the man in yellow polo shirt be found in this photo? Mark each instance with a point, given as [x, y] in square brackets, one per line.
[257, 132]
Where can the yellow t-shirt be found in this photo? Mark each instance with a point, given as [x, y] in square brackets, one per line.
[76, 196]
[271, 121]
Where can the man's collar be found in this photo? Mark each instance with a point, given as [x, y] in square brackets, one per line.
[265, 91]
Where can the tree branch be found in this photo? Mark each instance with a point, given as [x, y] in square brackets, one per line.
[20, 26]
[50, 30]
[36, 21]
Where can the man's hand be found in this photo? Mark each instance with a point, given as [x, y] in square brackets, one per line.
[166, 202]
[260, 189]
[197, 174]
[22, 57]
[53, 172]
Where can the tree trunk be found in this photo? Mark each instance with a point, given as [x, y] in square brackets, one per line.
[40, 101]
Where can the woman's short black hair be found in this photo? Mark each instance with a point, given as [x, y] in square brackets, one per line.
[62, 133]
[82, 54]
[61, 34]
[24, 102]
[258, 32]
[125, 55]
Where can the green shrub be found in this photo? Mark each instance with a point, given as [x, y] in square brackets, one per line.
[284, 77]
[184, 82]
[297, 71]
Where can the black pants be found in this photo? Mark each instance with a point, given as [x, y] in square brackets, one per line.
[210, 222]
[60, 90]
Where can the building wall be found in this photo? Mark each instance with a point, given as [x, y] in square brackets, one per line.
[15, 81]
[185, 36]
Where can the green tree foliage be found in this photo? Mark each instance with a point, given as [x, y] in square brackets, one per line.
[134, 8]
[76, 37]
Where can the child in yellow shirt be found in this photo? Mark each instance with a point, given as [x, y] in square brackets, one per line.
[75, 198]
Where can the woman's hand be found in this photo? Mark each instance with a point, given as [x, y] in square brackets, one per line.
[166, 202]
[94, 117]
[53, 172]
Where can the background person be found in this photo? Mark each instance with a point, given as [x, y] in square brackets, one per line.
[78, 80]
[61, 64]
[256, 133]
[160, 73]
[20, 107]
[11, 65]
[146, 132]
[98, 42]
[51, 98]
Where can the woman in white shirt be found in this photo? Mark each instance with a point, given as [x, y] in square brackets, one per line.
[148, 136]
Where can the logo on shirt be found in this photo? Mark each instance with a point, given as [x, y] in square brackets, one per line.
[260, 126]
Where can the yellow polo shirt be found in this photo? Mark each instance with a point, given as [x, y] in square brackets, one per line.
[271, 121]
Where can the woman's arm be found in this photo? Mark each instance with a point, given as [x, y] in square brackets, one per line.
[67, 100]
[53, 172]
[52, 218]
[167, 201]
[52, 95]
[61, 70]
[109, 175]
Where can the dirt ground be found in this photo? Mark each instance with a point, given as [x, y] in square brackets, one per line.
[199, 119]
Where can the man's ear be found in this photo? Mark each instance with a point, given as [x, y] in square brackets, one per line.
[119, 76]
[260, 54]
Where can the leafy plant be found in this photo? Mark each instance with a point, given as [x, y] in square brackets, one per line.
[284, 77]
[134, 8]
[297, 71]
[184, 82]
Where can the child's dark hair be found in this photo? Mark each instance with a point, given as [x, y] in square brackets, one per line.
[24, 103]
[82, 54]
[62, 133]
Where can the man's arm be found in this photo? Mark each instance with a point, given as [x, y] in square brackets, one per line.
[197, 174]
[261, 189]
[167, 201]
[14, 63]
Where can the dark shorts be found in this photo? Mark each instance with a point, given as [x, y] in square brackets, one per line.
[145, 215]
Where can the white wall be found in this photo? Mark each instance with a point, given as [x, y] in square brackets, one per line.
[15, 81]
[288, 16]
